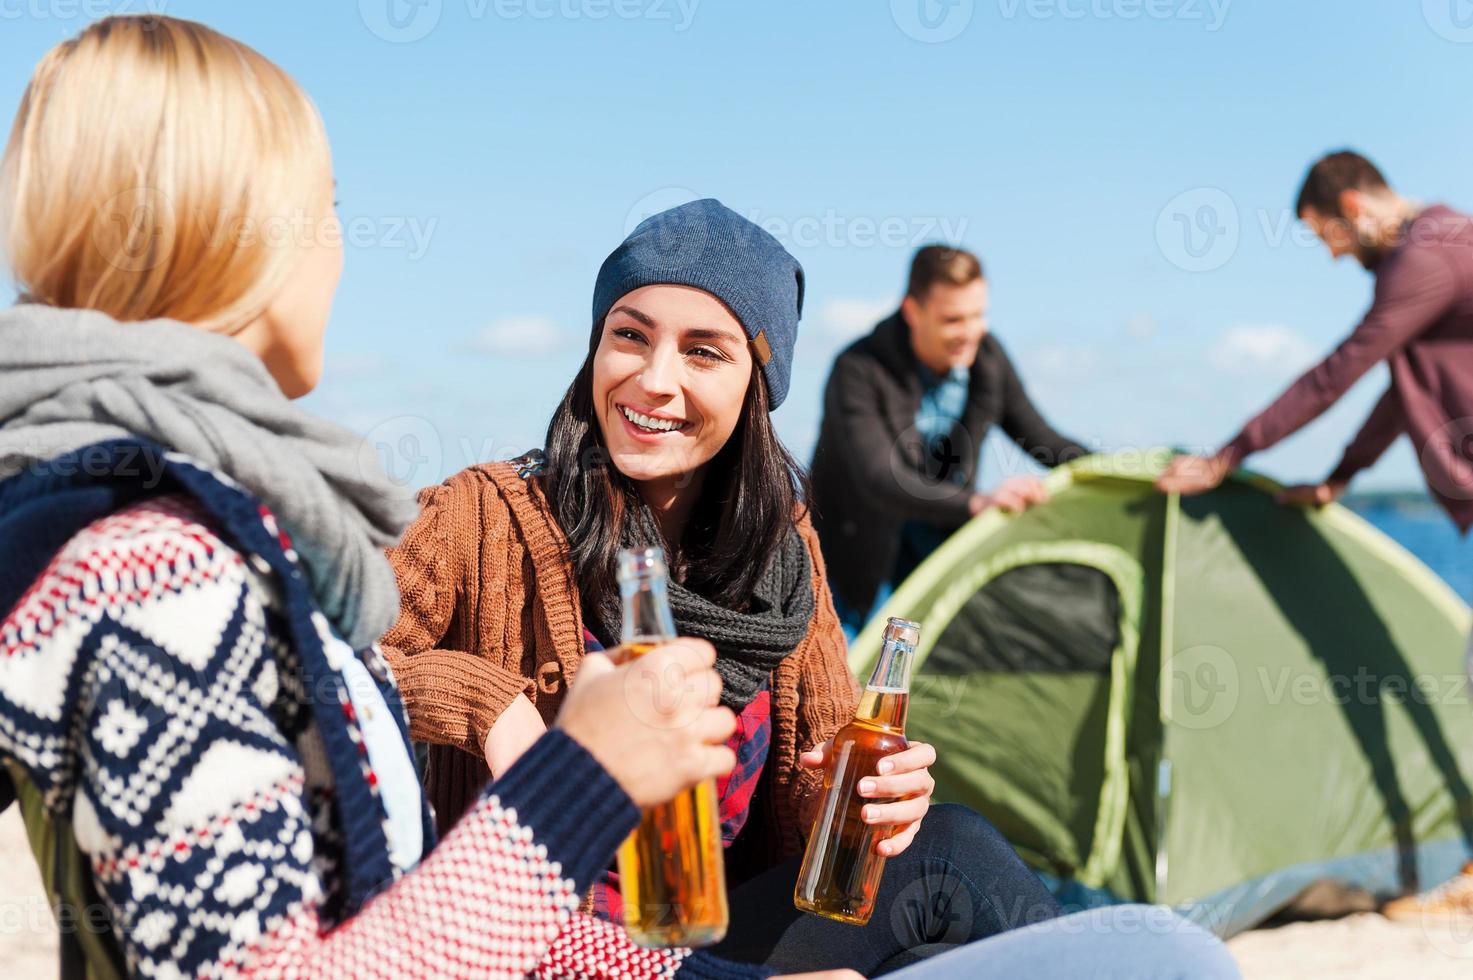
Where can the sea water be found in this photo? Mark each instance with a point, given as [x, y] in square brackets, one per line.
[1424, 529]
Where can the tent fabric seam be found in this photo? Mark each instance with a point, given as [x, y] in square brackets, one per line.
[1129, 580]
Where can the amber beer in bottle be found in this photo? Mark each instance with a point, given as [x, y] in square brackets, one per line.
[841, 869]
[671, 871]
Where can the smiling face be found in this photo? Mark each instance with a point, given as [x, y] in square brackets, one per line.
[670, 376]
[947, 324]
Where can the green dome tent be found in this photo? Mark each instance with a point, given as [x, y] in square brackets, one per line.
[1207, 702]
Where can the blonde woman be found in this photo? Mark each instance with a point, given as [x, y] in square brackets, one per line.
[204, 741]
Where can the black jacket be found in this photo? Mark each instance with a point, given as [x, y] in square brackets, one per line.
[872, 471]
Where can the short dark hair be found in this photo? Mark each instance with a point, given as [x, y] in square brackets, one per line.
[941, 263]
[1331, 176]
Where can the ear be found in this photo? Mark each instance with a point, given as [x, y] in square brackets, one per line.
[1352, 204]
[910, 310]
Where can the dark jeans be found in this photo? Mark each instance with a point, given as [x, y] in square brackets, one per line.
[959, 881]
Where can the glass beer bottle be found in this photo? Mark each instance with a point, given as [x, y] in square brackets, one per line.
[841, 869]
[671, 871]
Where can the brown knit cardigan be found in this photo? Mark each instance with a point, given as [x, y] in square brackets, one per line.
[490, 610]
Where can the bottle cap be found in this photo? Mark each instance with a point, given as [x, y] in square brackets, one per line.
[636, 562]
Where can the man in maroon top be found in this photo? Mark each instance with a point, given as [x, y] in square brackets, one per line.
[1421, 324]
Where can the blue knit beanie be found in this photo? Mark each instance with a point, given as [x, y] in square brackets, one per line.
[707, 245]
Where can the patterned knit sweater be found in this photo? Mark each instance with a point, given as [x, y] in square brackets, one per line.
[148, 692]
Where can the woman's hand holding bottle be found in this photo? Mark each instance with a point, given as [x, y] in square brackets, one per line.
[905, 780]
[655, 723]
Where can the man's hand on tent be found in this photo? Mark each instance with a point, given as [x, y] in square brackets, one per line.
[1188, 475]
[904, 778]
[1013, 495]
[1311, 494]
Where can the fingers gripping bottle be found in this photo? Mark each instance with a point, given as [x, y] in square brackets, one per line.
[671, 871]
[841, 869]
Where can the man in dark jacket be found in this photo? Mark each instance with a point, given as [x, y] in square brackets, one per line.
[905, 413]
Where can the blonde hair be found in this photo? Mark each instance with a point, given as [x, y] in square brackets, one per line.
[151, 169]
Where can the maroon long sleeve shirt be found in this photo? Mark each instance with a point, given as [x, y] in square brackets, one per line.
[1421, 323]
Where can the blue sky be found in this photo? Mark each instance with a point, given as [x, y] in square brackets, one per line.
[489, 153]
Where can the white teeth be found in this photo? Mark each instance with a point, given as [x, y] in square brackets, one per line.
[645, 422]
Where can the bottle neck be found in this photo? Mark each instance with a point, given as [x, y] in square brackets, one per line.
[647, 613]
[883, 709]
[886, 697]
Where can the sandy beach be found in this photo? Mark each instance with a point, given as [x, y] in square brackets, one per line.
[1362, 946]
[27, 929]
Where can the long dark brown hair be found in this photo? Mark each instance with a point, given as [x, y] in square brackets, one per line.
[748, 502]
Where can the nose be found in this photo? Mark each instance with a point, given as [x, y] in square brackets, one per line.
[660, 377]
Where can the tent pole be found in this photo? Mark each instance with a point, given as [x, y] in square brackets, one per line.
[1163, 798]
[1164, 685]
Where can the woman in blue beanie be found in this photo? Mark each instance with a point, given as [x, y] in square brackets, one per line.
[664, 437]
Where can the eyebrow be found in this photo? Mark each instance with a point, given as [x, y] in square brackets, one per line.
[711, 333]
[694, 333]
[642, 317]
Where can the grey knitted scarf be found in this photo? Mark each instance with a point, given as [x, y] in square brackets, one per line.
[69, 378]
[749, 645]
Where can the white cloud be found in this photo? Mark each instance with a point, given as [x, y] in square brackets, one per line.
[1060, 362]
[846, 318]
[1140, 326]
[1265, 349]
[518, 336]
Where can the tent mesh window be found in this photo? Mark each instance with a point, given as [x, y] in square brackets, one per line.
[1051, 616]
